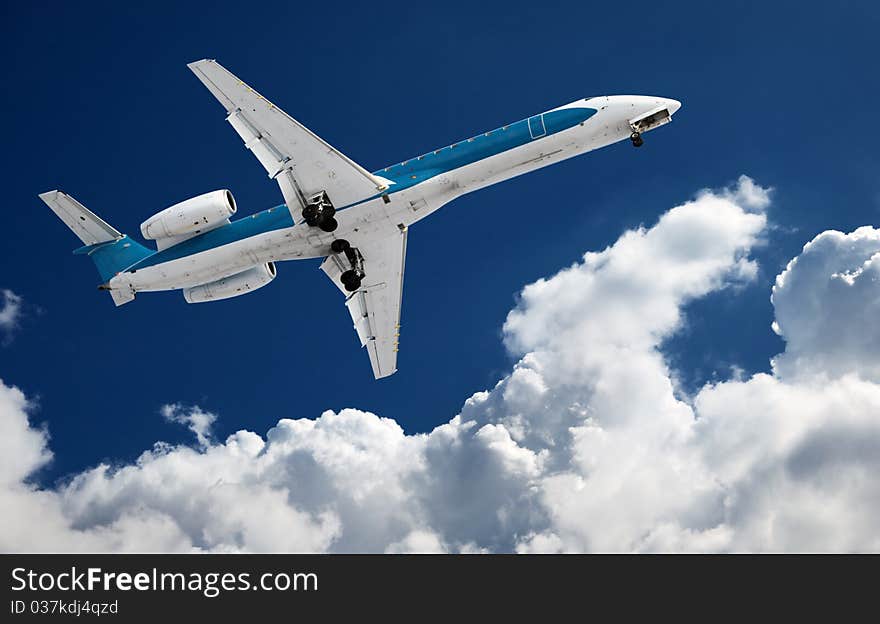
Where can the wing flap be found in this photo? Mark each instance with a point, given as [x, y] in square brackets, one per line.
[259, 145]
[301, 162]
[360, 316]
[375, 306]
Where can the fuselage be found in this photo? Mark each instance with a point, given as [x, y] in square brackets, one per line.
[416, 187]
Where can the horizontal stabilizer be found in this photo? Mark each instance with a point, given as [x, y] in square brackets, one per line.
[88, 226]
[112, 251]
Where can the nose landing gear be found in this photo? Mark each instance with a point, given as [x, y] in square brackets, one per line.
[636, 139]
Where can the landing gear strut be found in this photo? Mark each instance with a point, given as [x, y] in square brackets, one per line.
[352, 278]
[636, 138]
[319, 212]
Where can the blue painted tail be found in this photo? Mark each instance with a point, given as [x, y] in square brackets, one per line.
[110, 250]
[114, 256]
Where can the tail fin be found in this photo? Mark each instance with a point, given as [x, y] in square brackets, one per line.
[110, 250]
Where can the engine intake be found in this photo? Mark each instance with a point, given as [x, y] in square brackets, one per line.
[232, 286]
[190, 216]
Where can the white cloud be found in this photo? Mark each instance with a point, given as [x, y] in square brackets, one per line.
[584, 446]
[35, 520]
[10, 312]
[194, 418]
[23, 449]
[747, 194]
[418, 543]
[828, 308]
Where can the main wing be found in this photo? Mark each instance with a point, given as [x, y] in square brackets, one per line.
[375, 306]
[301, 162]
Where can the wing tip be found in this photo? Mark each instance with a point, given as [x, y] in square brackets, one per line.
[50, 198]
[199, 63]
[382, 375]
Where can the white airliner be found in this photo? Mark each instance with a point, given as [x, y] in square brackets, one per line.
[334, 208]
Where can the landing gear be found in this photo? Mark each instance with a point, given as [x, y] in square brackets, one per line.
[351, 280]
[319, 212]
[636, 139]
[340, 245]
[328, 224]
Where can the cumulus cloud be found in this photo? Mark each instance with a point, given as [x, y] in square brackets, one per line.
[34, 519]
[10, 312]
[584, 446]
[828, 308]
[417, 543]
[193, 418]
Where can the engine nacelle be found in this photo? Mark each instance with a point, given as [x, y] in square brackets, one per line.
[190, 216]
[232, 286]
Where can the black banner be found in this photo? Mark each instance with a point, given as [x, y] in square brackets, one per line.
[129, 588]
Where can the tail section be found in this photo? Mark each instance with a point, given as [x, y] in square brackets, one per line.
[88, 226]
[110, 250]
[114, 256]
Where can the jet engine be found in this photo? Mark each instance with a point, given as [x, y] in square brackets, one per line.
[232, 286]
[191, 216]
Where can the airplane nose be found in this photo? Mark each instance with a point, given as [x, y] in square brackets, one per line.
[672, 106]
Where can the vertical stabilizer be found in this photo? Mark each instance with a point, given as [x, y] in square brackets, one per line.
[112, 251]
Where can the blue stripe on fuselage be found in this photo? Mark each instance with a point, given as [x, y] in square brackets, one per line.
[415, 170]
[266, 221]
[404, 175]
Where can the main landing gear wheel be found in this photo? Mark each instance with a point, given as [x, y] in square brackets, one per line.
[350, 280]
[340, 245]
[636, 138]
[319, 212]
[328, 224]
[310, 214]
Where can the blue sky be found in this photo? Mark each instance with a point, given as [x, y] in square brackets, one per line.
[99, 103]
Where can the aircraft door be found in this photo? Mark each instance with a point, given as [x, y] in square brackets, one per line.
[536, 126]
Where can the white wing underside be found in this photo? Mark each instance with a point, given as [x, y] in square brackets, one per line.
[375, 306]
[304, 165]
[301, 162]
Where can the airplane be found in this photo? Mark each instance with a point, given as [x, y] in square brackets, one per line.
[334, 209]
